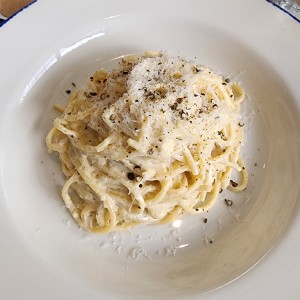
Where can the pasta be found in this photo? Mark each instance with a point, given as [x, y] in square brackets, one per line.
[156, 137]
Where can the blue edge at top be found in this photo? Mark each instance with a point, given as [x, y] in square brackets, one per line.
[295, 18]
[2, 22]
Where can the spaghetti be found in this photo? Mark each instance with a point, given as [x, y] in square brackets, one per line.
[156, 137]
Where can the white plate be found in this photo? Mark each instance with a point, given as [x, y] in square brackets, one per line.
[44, 255]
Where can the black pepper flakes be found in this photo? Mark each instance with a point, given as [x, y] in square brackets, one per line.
[150, 96]
[68, 92]
[174, 106]
[131, 176]
[233, 183]
[205, 220]
[87, 95]
[228, 202]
